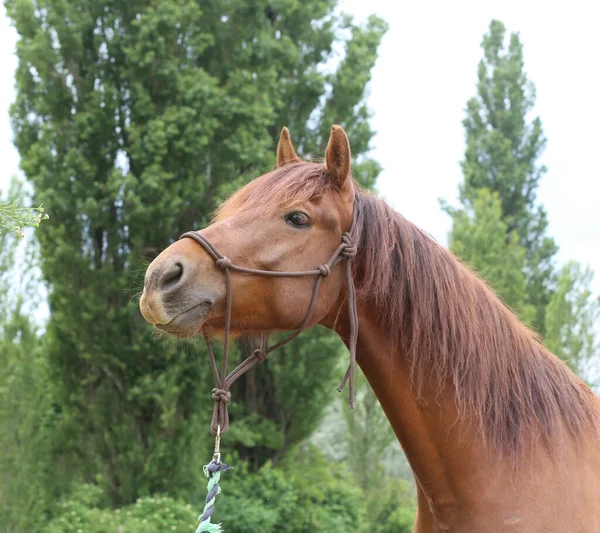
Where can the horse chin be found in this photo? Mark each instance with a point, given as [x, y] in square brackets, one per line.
[188, 323]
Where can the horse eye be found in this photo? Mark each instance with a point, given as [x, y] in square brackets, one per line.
[297, 219]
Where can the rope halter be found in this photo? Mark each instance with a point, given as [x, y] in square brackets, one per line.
[221, 393]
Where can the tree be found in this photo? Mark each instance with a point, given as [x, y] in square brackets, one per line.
[133, 121]
[26, 414]
[28, 475]
[363, 439]
[572, 317]
[503, 148]
[479, 238]
[369, 435]
[498, 229]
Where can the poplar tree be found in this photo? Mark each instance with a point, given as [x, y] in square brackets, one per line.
[479, 236]
[499, 229]
[572, 319]
[502, 155]
[133, 121]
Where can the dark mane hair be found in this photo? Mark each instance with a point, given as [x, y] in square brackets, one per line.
[446, 321]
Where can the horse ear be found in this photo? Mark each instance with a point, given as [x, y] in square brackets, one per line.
[285, 150]
[337, 157]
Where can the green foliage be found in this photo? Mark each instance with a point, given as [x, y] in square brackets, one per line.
[28, 476]
[86, 511]
[397, 507]
[13, 217]
[572, 317]
[369, 435]
[503, 147]
[305, 494]
[133, 121]
[499, 230]
[299, 401]
[401, 520]
[8, 243]
[282, 402]
[27, 422]
[479, 238]
[364, 441]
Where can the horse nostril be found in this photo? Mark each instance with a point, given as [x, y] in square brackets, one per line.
[171, 277]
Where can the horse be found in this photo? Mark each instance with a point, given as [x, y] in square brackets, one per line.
[500, 435]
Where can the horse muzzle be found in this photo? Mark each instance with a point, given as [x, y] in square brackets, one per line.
[173, 300]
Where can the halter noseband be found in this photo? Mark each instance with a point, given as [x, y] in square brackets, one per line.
[220, 394]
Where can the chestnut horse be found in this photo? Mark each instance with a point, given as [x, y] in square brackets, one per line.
[500, 434]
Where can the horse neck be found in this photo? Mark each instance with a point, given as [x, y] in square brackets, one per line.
[458, 472]
[440, 449]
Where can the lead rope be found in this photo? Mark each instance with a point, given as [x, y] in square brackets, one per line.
[213, 472]
[221, 393]
[350, 252]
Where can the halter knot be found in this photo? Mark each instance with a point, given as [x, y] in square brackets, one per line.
[350, 249]
[260, 355]
[324, 270]
[221, 395]
[223, 263]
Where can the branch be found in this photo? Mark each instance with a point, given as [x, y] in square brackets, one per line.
[13, 217]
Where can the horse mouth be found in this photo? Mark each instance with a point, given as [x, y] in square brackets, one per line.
[187, 323]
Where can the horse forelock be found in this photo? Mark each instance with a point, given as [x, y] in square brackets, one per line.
[289, 185]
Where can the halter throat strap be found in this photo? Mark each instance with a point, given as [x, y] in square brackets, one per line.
[221, 393]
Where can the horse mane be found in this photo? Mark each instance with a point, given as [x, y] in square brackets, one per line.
[450, 325]
[453, 328]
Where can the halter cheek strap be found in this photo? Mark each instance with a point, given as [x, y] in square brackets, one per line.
[221, 393]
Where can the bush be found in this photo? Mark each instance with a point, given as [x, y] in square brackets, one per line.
[396, 508]
[304, 494]
[400, 521]
[83, 513]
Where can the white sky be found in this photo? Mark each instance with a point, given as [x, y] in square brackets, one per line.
[426, 72]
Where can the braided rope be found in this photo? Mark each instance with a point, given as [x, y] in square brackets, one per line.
[213, 472]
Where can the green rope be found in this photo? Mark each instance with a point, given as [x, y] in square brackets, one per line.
[213, 472]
